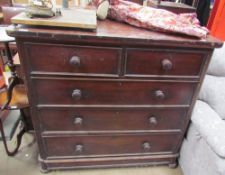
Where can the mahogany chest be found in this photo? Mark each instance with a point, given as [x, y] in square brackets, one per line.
[118, 96]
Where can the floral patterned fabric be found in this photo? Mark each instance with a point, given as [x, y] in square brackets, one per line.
[156, 19]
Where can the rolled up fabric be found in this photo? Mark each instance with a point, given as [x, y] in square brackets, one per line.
[156, 19]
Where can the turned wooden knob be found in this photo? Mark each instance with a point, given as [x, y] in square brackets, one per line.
[153, 120]
[167, 64]
[75, 61]
[159, 94]
[78, 121]
[146, 146]
[77, 94]
[79, 148]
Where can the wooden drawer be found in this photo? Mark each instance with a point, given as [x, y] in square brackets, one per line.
[89, 92]
[90, 145]
[112, 120]
[74, 60]
[163, 63]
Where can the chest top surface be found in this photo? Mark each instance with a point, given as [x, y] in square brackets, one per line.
[113, 32]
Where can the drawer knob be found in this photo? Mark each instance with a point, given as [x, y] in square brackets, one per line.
[77, 94]
[146, 146]
[167, 64]
[79, 148]
[75, 61]
[153, 120]
[159, 94]
[78, 121]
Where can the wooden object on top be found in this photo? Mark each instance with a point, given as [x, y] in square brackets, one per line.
[75, 18]
[172, 6]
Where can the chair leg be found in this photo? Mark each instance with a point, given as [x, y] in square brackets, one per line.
[19, 139]
[24, 119]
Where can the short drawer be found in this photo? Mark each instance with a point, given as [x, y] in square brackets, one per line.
[90, 92]
[163, 63]
[75, 60]
[87, 145]
[112, 120]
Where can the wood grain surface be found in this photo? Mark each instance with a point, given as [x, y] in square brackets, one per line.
[75, 18]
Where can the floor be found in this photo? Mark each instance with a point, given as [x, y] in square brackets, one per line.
[25, 162]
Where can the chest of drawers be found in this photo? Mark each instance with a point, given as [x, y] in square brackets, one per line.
[118, 96]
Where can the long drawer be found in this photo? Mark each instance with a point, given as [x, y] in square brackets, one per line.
[156, 62]
[88, 145]
[111, 120]
[76, 60]
[119, 92]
